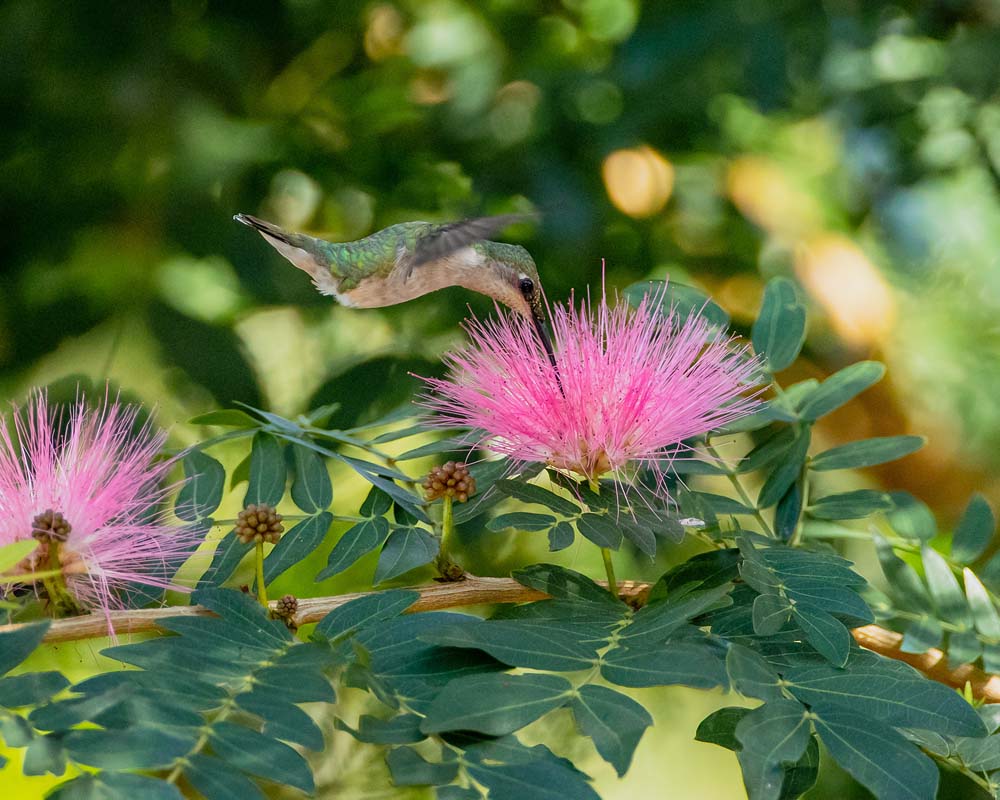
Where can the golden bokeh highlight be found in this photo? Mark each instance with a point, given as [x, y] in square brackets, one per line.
[639, 180]
[764, 194]
[850, 288]
[384, 32]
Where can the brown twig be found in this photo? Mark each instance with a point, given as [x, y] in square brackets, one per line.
[475, 590]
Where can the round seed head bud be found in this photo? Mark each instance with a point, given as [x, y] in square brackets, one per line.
[259, 522]
[286, 607]
[449, 480]
[50, 526]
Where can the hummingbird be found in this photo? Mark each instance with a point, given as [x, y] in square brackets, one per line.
[410, 259]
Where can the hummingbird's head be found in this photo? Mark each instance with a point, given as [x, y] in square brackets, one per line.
[514, 278]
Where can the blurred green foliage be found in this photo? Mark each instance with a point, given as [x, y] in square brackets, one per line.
[852, 146]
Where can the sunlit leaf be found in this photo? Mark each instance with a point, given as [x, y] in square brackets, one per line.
[780, 328]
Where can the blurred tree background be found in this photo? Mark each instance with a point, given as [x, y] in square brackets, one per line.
[852, 145]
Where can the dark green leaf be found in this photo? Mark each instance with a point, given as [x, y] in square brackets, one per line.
[788, 512]
[720, 504]
[688, 663]
[521, 520]
[780, 329]
[600, 530]
[229, 552]
[944, 588]
[267, 471]
[116, 786]
[984, 613]
[405, 549]
[256, 754]
[312, 490]
[974, 530]
[851, 505]
[840, 388]
[654, 623]
[765, 414]
[772, 736]
[876, 756]
[296, 544]
[911, 517]
[829, 597]
[824, 632]
[242, 617]
[227, 418]
[217, 781]
[401, 729]
[139, 747]
[615, 723]
[561, 536]
[548, 778]
[888, 691]
[801, 777]
[964, 647]
[530, 493]
[867, 452]
[526, 643]
[786, 472]
[677, 301]
[202, 492]
[45, 754]
[904, 584]
[921, 635]
[409, 768]
[770, 613]
[495, 704]
[365, 611]
[18, 644]
[30, 689]
[282, 720]
[719, 727]
[563, 584]
[751, 675]
[356, 543]
[371, 473]
[66, 713]
[768, 451]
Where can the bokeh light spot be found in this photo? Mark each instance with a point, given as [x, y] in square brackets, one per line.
[639, 180]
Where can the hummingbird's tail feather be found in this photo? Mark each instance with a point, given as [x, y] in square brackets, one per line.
[299, 249]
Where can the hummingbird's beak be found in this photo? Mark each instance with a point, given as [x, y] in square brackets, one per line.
[542, 329]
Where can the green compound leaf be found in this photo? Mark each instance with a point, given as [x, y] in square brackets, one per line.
[30, 689]
[905, 586]
[521, 520]
[947, 594]
[719, 727]
[118, 786]
[17, 645]
[564, 584]
[772, 736]
[495, 704]
[867, 452]
[217, 781]
[227, 418]
[202, 492]
[527, 643]
[890, 692]
[542, 778]
[780, 329]
[770, 613]
[256, 754]
[600, 530]
[825, 632]
[786, 472]
[409, 768]
[561, 536]
[850, 505]
[615, 722]
[405, 549]
[282, 720]
[751, 675]
[401, 729]
[365, 611]
[357, 542]
[686, 663]
[267, 471]
[876, 756]
[984, 613]
[840, 388]
[911, 518]
[229, 552]
[654, 623]
[296, 544]
[138, 747]
[974, 530]
[530, 493]
[312, 490]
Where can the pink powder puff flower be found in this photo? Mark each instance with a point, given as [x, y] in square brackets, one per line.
[91, 481]
[633, 385]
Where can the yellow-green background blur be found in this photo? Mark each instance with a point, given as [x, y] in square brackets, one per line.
[852, 145]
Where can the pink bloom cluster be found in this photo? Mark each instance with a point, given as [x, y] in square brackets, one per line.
[101, 472]
[633, 383]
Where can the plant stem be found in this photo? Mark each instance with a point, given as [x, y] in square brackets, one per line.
[609, 569]
[261, 588]
[447, 526]
[55, 584]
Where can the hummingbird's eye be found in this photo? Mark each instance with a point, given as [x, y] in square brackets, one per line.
[527, 287]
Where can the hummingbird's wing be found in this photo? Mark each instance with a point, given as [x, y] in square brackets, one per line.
[440, 240]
